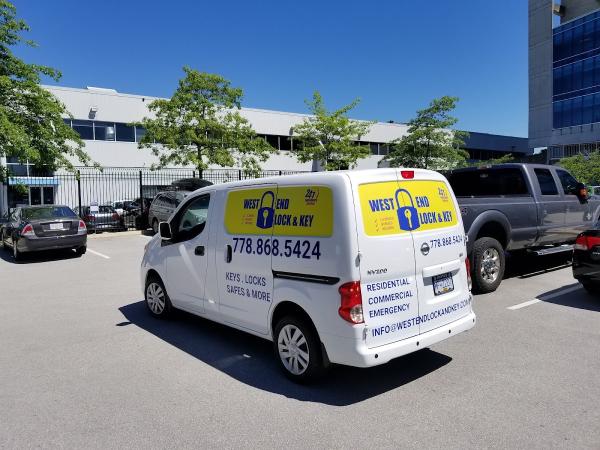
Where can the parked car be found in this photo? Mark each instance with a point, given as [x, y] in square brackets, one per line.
[163, 206]
[106, 219]
[138, 212]
[586, 260]
[510, 207]
[354, 268]
[37, 228]
[123, 206]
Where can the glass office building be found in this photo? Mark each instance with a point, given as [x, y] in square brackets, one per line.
[576, 72]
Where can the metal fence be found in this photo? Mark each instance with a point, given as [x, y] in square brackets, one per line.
[112, 186]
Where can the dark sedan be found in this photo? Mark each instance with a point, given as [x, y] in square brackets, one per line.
[586, 260]
[36, 228]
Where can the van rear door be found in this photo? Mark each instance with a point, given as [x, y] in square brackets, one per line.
[387, 259]
[440, 249]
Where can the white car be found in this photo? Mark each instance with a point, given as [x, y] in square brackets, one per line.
[354, 268]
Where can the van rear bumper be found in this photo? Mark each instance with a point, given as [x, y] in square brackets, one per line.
[353, 352]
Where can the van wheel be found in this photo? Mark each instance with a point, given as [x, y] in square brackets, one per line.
[155, 226]
[157, 300]
[298, 350]
[488, 265]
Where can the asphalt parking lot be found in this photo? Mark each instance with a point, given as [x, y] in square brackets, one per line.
[85, 366]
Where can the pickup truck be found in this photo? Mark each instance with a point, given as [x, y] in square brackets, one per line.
[510, 207]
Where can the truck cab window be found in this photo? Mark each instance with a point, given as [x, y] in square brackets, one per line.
[192, 218]
[569, 183]
[546, 181]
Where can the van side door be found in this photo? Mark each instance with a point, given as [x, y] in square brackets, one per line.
[243, 256]
[187, 255]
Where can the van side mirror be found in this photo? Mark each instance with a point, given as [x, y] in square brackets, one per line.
[164, 230]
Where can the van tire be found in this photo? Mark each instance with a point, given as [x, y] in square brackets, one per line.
[157, 299]
[488, 264]
[286, 333]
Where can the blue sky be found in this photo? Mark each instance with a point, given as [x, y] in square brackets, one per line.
[395, 55]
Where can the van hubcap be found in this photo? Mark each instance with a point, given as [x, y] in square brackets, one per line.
[490, 265]
[293, 349]
[155, 297]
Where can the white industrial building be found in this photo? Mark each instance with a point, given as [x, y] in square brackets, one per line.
[101, 117]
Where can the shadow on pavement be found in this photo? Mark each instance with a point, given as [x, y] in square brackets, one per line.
[251, 360]
[575, 299]
[37, 257]
[524, 265]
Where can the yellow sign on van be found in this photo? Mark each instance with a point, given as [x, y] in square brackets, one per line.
[283, 211]
[399, 207]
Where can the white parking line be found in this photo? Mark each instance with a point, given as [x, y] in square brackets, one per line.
[98, 254]
[544, 297]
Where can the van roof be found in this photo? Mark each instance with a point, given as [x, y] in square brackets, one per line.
[324, 176]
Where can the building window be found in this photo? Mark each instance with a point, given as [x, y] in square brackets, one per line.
[84, 128]
[124, 132]
[104, 131]
[139, 133]
[285, 143]
[273, 141]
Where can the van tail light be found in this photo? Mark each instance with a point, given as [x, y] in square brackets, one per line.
[351, 302]
[584, 242]
[27, 230]
[82, 228]
[469, 280]
[407, 174]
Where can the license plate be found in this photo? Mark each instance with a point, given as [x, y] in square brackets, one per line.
[56, 226]
[442, 284]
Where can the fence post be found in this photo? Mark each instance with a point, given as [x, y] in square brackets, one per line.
[193, 174]
[141, 196]
[79, 191]
[240, 174]
[280, 172]
[201, 174]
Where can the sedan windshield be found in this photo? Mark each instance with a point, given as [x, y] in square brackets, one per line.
[50, 212]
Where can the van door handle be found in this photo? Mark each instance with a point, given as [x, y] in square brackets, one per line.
[228, 253]
[199, 251]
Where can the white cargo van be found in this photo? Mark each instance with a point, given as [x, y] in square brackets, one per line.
[354, 268]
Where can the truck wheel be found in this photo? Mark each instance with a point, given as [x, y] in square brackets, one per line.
[488, 265]
[298, 350]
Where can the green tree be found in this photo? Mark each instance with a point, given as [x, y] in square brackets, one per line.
[430, 142]
[200, 125]
[586, 169]
[31, 118]
[330, 137]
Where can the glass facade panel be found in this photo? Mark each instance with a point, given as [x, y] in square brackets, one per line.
[576, 74]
